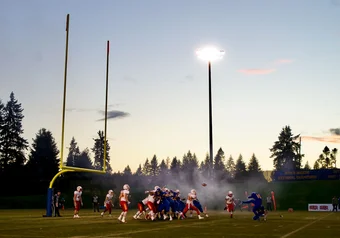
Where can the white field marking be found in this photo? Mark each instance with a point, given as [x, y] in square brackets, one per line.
[145, 230]
[303, 227]
[33, 236]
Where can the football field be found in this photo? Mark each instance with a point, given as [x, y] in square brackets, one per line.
[30, 223]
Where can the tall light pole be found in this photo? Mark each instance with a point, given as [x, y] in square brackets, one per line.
[210, 54]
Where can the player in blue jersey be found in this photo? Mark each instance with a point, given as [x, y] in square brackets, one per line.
[258, 209]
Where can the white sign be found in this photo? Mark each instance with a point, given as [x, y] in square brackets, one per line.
[320, 207]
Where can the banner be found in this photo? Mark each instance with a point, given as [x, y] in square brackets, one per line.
[320, 174]
[320, 207]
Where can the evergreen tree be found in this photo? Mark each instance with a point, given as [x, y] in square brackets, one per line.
[163, 168]
[253, 166]
[316, 165]
[219, 167]
[327, 160]
[240, 168]
[205, 167]
[175, 166]
[154, 166]
[285, 151]
[139, 171]
[254, 169]
[127, 171]
[84, 160]
[73, 153]
[146, 168]
[2, 127]
[43, 160]
[307, 167]
[231, 167]
[98, 150]
[12, 144]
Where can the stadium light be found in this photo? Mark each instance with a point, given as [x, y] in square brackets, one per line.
[209, 54]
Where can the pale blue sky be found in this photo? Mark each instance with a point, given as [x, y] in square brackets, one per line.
[156, 77]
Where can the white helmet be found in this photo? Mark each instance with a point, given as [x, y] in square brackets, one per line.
[157, 187]
[126, 187]
[79, 188]
[193, 191]
[110, 191]
[230, 193]
[177, 191]
[166, 190]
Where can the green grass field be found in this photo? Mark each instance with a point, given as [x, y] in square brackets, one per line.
[30, 223]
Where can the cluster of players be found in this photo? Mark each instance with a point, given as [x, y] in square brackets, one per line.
[159, 204]
[166, 204]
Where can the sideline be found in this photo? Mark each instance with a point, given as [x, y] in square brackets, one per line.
[303, 227]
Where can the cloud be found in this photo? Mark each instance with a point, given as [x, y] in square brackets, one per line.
[79, 109]
[114, 114]
[330, 139]
[72, 109]
[256, 71]
[335, 131]
[284, 61]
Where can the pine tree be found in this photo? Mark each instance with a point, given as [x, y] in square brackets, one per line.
[253, 166]
[43, 159]
[307, 167]
[98, 150]
[146, 168]
[327, 160]
[205, 167]
[219, 167]
[175, 166]
[231, 167]
[285, 151]
[73, 153]
[240, 168]
[154, 166]
[84, 160]
[316, 165]
[127, 171]
[139, 171]
[2, 125]
[12, 144]
[254, 169]
[163, 168]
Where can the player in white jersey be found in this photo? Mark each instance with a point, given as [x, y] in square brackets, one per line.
[190, 205]
[151, 205]
[108, 203]
[124, 202]
[77, 200]
[141, 208]
[230, 203]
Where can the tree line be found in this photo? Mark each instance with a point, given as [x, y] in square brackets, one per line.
[42, 161]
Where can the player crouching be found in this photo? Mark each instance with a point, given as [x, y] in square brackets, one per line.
[230, 203]
[141, 208]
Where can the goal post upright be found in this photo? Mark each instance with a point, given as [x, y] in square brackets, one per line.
[64, 168]
[106, 102]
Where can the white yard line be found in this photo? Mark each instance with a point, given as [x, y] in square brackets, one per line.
[303, 227]
[147, 230]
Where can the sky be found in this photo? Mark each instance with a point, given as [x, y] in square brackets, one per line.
[281, 67]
